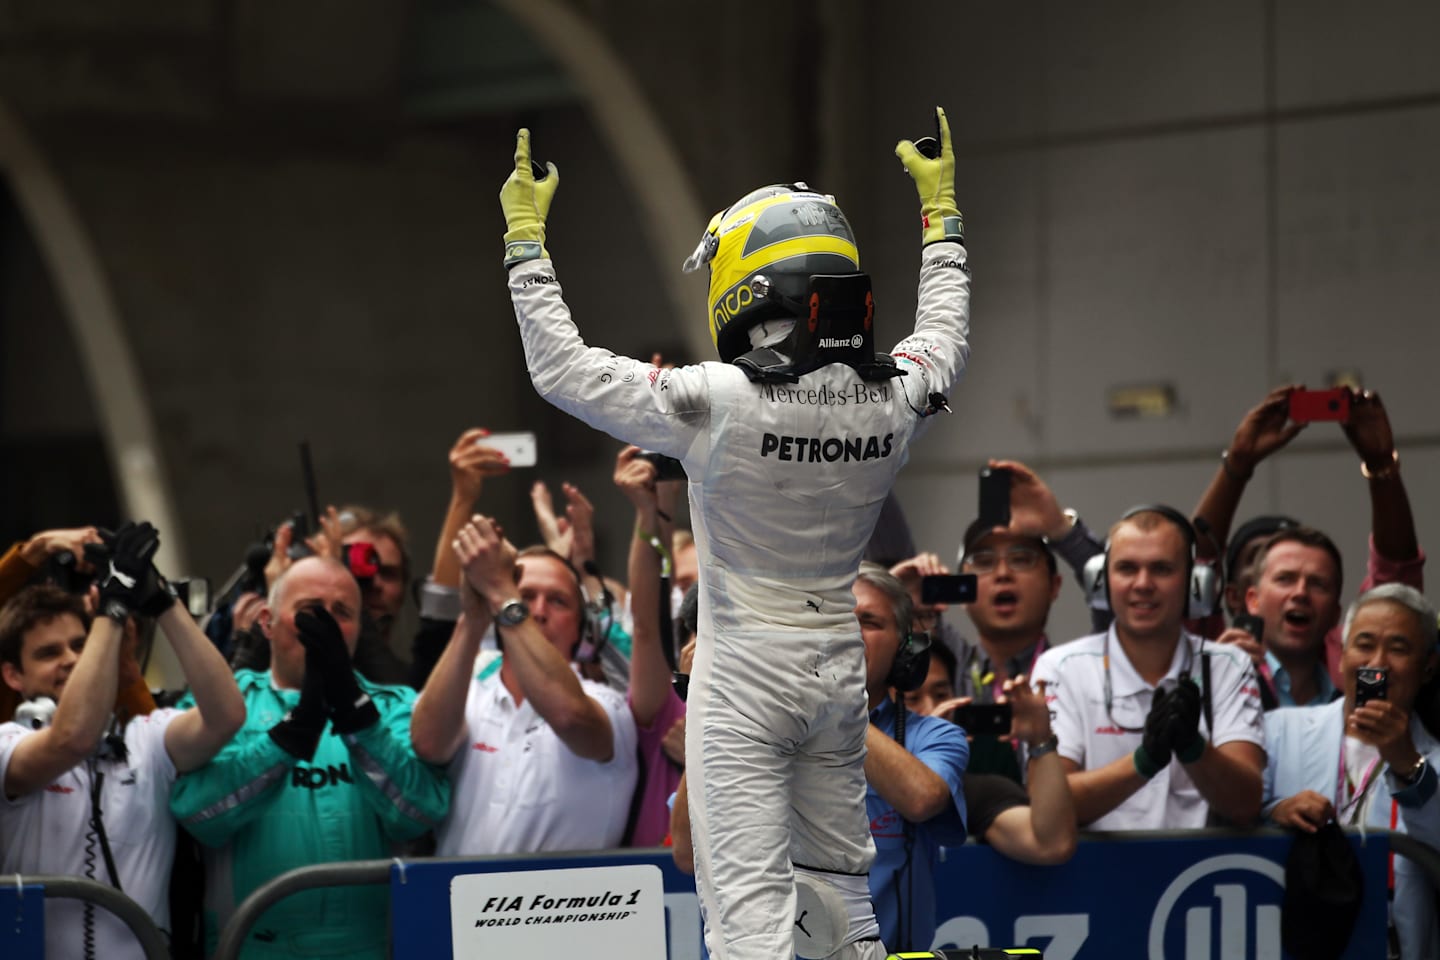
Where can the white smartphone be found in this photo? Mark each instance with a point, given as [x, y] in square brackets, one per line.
[519, 448]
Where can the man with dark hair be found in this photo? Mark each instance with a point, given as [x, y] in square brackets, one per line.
[541, 758]
[383, 590]
[1295, 591]
[70, 762]
[1034, 823]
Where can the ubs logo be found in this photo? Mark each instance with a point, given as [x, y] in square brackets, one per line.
[1227, 906]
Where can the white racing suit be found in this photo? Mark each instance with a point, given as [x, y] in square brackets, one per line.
[785, 483]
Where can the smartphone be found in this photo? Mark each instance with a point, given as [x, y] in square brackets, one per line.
[995, 497]
[1310, 405]
[666, 468]
[1252, 625]
[948, 588]
[977, 718]
[1371, 683]
[518, 448]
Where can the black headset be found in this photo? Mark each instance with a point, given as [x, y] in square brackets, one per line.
[593, 634]
[1203, 580]
[911, 663]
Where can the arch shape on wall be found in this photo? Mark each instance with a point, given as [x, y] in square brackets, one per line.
[118, 392]
[671, 214]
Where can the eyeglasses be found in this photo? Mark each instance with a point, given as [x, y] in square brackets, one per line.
[1019, 559]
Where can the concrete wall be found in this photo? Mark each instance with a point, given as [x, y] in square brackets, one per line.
[1221, 198]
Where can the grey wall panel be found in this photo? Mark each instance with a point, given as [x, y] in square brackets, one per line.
[1334, 52]
[1157, 271]
[982, 61]
[1123, 62]
[1358, 206]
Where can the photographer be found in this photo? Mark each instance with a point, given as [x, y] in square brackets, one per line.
[62, 769]
[1394, 554]
[1366, 759]
[654, 704]
[1035, 827]
[914, 794]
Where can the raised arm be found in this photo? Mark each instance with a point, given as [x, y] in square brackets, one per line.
[1391, 523]
[631, 400]
[649, 555]
[470, 463]
[1264, 429]
[437, 726]
[198, 734]
[21, 561]
[543, 674]
[937, 351]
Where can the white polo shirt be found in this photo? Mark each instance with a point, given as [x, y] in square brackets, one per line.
[518, 789]
[1075, 675]
[46, 831]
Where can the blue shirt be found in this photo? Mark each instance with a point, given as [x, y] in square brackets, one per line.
[942, 747]
[1280, 683]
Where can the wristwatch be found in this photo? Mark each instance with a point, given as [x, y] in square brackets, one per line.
[1049, 745]
[512, 613]
[1413, 775]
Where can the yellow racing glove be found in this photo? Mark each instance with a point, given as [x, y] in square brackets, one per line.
[930, 161]
[525, 198]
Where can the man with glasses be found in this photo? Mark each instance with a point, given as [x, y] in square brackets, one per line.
[1016, 583]
[1157, 728]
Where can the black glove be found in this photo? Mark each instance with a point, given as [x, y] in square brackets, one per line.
[1153, 754]
[327, 656]
[124, 568]
[1183, 708]
[153, 593]
[299, 733]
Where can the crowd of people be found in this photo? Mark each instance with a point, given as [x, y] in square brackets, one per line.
[751, 724]
[1222, 686]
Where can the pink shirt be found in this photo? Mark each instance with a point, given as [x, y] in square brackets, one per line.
[659, 778]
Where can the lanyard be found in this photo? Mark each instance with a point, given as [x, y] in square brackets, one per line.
[1349, 799]
[979, 682]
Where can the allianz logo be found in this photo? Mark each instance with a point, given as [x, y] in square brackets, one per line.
[1220, 918]
[827, 343]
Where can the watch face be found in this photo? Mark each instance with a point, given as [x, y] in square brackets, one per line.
[512, 613]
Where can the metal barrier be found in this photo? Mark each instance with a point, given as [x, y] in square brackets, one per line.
[152, 941]
[355, 873]
[425, 899]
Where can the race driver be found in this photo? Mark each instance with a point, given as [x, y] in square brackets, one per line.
[791, 444]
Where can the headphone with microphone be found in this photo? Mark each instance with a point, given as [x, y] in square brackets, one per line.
[911, 663]
[594, 633]
[36, 713]
[1202, 580]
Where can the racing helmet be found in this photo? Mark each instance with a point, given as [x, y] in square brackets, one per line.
[762, 252]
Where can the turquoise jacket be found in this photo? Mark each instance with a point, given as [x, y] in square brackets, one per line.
[265, 812]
